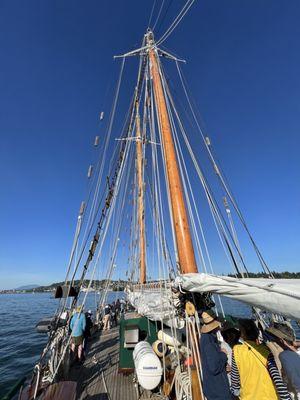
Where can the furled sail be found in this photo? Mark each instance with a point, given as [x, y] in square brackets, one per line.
[157, 305]
[281, 296]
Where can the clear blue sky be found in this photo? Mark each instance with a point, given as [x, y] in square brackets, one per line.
[57, 72]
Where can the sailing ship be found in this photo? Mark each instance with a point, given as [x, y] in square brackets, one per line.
[144, 200]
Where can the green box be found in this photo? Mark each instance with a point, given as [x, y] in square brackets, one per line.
[147, 330]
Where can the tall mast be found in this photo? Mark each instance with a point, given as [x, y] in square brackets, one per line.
[185, 249]
[140, 181]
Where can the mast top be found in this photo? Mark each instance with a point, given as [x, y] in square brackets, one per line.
[149, 36]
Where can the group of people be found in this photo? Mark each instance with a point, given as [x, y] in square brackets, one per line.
[112, 313]
[81, 324]
[243, 362]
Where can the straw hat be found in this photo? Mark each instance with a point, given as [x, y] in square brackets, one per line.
[210, 322]
[282, 331]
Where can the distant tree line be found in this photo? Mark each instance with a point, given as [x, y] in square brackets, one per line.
[278, 275]
[96, 285]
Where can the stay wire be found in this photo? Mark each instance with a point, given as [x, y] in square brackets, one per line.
[208, 190]
[164, 16]
[176, 21]
[151, 13]
[220, 176]
[159, 12]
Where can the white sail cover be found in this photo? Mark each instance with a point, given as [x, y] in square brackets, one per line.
[157, 305]
[280, 296]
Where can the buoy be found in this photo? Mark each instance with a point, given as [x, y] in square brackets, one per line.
[147, 366]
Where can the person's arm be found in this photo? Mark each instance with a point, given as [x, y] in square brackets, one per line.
[235, 378]
[277, 380]
[217, 359]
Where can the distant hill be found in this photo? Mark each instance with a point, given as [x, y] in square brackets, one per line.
[96, 285]
[27, 287]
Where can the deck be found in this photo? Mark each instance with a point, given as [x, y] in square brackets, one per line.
[98, 377]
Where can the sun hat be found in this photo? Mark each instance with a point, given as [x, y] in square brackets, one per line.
[210, 322]
[208, 316]
[282, 331]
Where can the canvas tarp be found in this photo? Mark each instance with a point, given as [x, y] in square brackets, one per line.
[280, 296]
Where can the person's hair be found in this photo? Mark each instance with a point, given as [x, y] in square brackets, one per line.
[248, 329]
[231, 336]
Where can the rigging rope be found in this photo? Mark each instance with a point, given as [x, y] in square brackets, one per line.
[151, 13]
[213, 205]
[103, 159]
[176, 21]
[164, 16]
[102, 239]
[220, 176]
[181, 160]
[157, 18]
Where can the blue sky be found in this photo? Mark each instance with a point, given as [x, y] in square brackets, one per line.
[58, 72]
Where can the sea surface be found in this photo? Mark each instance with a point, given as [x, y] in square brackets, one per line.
[21, 345]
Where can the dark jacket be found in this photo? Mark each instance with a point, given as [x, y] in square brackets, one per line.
[215, 380]
[88, 326]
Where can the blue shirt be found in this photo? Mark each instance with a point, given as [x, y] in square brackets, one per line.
[290, 362]
[215, 381]
[77, 324]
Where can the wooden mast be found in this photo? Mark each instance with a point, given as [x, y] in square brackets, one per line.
[140, 182]
[185, 249]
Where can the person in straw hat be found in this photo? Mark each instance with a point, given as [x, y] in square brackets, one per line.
[214, 360]
[289, 358]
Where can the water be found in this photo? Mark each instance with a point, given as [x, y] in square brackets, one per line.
[20, 344]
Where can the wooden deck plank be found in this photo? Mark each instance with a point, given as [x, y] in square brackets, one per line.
[98, 377]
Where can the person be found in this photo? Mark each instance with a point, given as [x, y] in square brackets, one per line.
[77, 326]
[214, 361]
[230, 335]
[118, 308]
[254, 374]
[106, 318]
[122, 307]
[88, 326]
[113, 315]
[288, 356]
